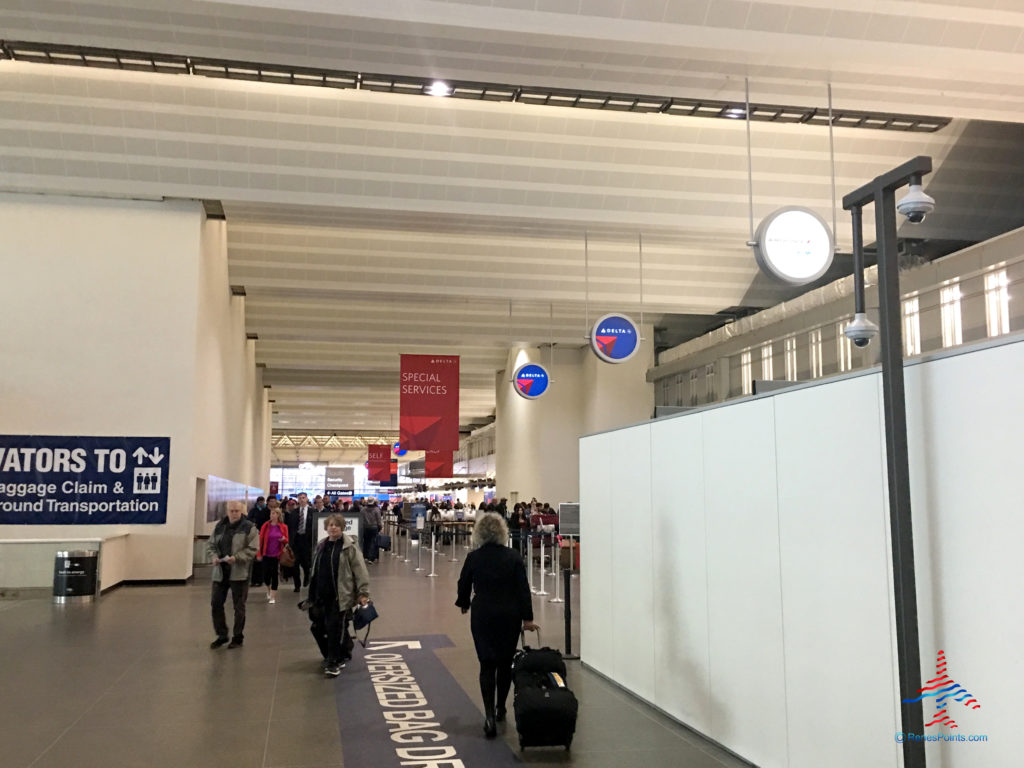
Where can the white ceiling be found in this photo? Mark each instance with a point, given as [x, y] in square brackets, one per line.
[363, 225]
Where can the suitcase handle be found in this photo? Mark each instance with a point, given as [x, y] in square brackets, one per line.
[522, 637]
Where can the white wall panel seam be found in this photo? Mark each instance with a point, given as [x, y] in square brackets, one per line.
[894, 665]
[782, 592]
[707, 575]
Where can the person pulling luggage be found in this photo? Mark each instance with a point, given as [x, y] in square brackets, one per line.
[502, 607]
[338, 582]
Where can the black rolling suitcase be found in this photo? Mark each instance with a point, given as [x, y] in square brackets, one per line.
[545, 708]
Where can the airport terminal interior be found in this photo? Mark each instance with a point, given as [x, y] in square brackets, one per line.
[733, 285]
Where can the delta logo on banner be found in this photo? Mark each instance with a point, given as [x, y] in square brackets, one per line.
[439, 464]
[531, 380]
[379, 463]
[614, 338]
[429, 403]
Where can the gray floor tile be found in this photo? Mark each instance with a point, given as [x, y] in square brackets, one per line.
[130, 683]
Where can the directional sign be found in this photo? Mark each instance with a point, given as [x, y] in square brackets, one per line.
[614, 338]
[47, 480]
[531, 381]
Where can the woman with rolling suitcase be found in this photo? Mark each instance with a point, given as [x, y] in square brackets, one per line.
[495, 577]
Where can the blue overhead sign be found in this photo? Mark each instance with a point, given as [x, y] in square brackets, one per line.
[531, 381]
[615, 338]
[48, 480]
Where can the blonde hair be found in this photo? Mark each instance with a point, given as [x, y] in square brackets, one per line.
[489, 529]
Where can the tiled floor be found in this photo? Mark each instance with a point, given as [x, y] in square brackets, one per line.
[130, 683]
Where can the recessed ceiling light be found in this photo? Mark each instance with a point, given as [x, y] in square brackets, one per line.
[439, 88]
[735, 112]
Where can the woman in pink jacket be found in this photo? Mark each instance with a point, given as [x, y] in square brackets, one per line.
[273, 539]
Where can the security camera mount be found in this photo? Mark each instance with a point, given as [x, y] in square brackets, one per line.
[882, 193]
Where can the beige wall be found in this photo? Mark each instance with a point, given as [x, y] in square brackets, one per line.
[118, 321]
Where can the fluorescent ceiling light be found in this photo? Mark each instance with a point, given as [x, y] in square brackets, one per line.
[439, 88]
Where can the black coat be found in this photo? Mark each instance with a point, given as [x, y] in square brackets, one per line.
[496, 576]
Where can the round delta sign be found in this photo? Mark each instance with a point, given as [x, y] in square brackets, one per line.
[531, 381]
[398, 450]
[794, 245]
[614, 338]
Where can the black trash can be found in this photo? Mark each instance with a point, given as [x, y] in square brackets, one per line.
[75, 576]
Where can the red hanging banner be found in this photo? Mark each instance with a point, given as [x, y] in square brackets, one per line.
[439, 464]
[379, 462]
[429, 403]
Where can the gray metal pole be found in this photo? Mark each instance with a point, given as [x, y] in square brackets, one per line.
[898, 471]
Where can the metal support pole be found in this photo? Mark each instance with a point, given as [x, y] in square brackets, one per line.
[882, 192]
[542, 591]
[408, 545]
[898, 471]
[567, 612]
[454, 558]
[419, 553]
[433, 553]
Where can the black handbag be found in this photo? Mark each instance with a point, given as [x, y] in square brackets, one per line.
[363, 617]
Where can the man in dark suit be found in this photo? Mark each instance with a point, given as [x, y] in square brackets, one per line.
[300, 522]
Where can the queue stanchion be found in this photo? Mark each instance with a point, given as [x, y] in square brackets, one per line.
[554, 562]
[529, 561]
[408, 544]
[454, 558]
[433, 553]
[542, 591]
[419, 554]
[556, 598]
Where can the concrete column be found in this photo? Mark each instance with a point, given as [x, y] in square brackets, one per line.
[537, 441]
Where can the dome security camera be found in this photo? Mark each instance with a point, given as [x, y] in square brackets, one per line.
[916, 204]
[860, 330]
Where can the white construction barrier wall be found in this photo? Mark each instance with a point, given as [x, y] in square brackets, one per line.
[737, 571]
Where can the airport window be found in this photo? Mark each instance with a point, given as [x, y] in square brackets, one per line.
[844, 348]
[912, 327]
[767, 366]
[952, 322]
[814, 344]
[746, 373]
[709, 383]
[693, 387]
[997, 303]
[791, 358]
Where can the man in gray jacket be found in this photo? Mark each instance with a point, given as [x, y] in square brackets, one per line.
[232, 547]
[369, 525]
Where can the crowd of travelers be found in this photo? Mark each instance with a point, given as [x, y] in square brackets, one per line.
[276, 541]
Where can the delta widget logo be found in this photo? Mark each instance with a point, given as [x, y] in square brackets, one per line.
[946, 691]
[531, 381]
[398, 450]
[614, 338]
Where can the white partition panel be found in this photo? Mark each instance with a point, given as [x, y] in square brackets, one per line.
[772, 591]
[633, 582]
[965, 422]
[682, 682]
[835, 560]
[596, 534]
[748, 690]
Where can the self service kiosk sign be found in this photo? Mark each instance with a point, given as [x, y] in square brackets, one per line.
[531, 381]
[46, 480]
[614, 338]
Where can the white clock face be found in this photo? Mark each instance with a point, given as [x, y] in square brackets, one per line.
[794, 245]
